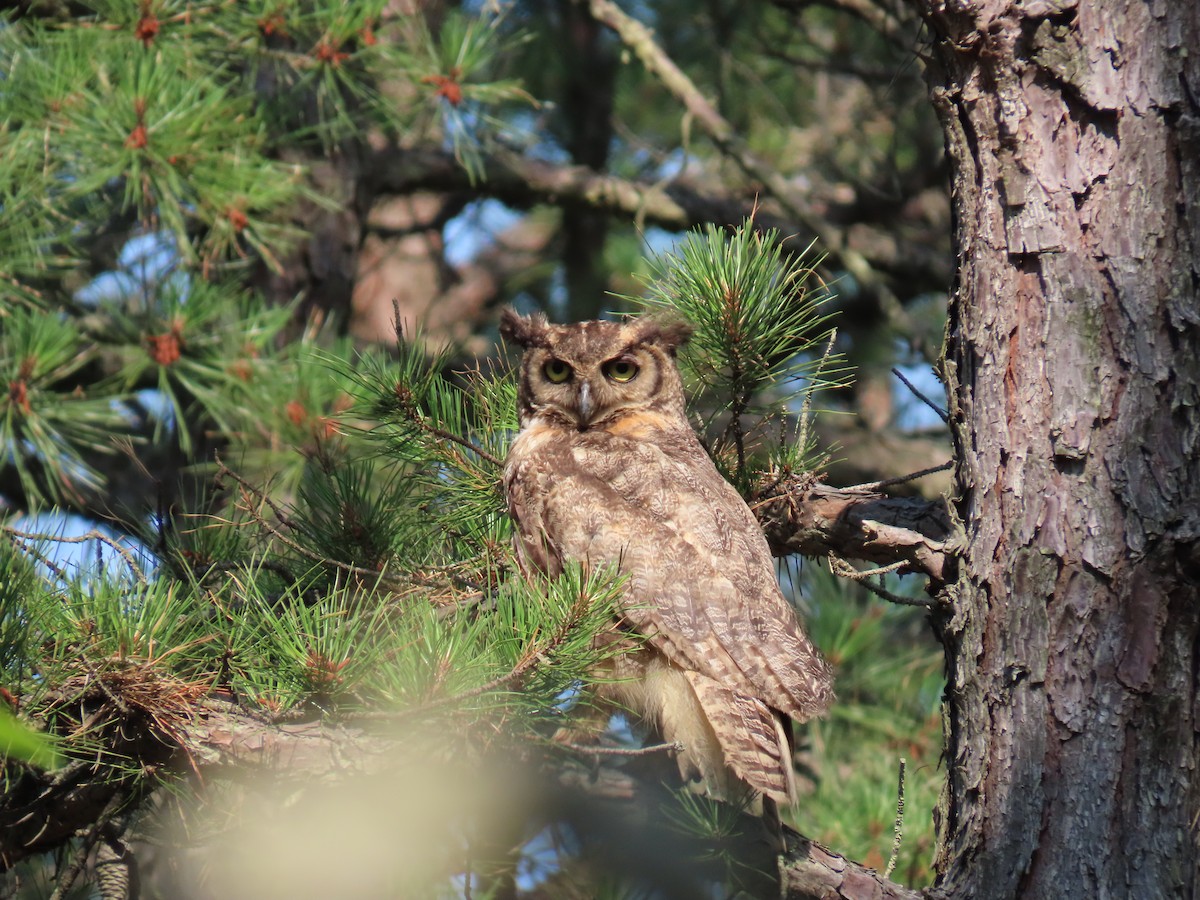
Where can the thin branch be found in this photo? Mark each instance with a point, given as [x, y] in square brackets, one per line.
[414, 413]
[98, 680]
[92, 535]
[596, 750]
[839, 566]
[942, 414]
[391, 579]
[524, 665]
[454, 439]
[265, 565]
[843, 569]
[67, 878]
[55, 570]
[475, 600]
[640, 39]
[902, 479]
[223, 471]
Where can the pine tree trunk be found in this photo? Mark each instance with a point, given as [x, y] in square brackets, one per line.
[1073, 368]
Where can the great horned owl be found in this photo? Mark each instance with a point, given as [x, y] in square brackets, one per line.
[607, 470]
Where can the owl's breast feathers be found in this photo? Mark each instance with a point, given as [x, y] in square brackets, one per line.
[701, 583]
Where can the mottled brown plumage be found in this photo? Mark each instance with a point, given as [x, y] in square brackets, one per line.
[606, 469]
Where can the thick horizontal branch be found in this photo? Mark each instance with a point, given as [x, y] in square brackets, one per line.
[812, 872]
[223, 737]
[220, 739]
[41, 811]
[800, 515]
[226, 738]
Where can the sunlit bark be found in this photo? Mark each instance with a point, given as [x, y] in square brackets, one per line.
[1073, 371]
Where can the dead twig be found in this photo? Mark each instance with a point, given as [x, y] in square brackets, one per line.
[93, 535]
[901, 479]
[843, 569]
[596, 750]
[899, 824]
[942, 414]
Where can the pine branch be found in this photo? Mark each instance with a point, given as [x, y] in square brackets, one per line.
[93, 535]
[537, 654]
[249, 490]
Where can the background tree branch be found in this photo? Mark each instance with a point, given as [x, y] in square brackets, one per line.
[523, 180]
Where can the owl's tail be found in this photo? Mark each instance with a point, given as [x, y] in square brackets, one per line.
[754, 738]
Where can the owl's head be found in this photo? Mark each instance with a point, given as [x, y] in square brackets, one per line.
[592, 374]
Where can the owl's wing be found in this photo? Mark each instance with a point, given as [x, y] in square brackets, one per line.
[708, 605]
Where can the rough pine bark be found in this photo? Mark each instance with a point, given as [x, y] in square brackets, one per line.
[1073, 369]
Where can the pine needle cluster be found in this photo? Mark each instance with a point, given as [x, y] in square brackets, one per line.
[763, 345]
[152, 159]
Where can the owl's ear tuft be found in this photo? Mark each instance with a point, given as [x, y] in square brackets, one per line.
[670, 334]
[524, 331]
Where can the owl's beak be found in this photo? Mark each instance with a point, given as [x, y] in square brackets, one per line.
[585, 404]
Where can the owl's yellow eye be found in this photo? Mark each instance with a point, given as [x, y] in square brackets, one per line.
[556, 371]
[621, 369]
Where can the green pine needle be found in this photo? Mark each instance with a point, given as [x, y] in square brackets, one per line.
[762, 345]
